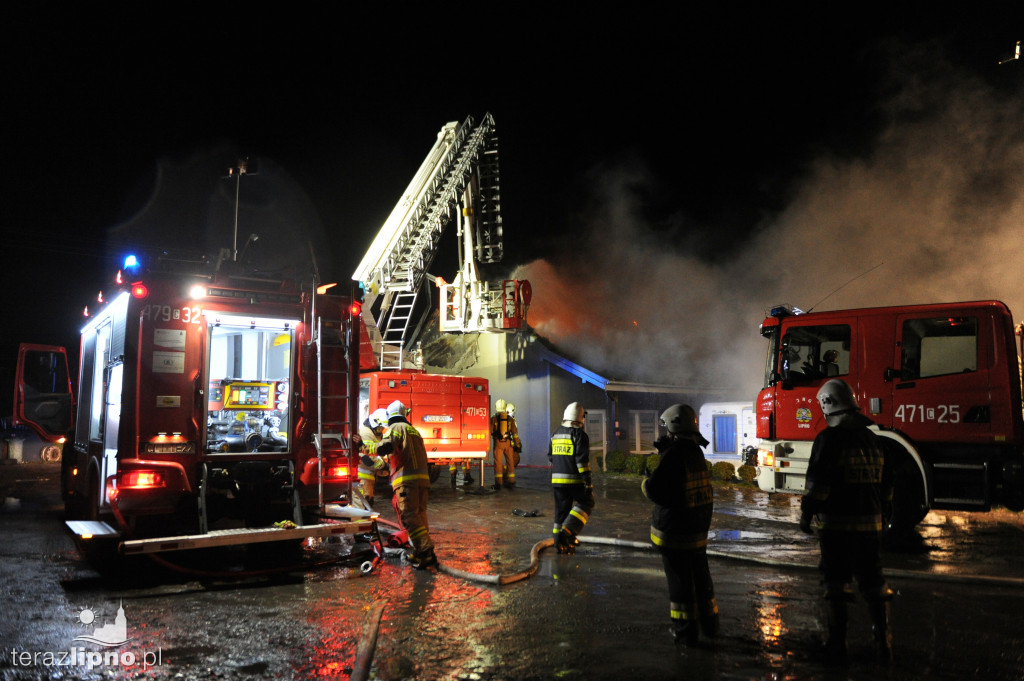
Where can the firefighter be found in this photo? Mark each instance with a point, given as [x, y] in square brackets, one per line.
[848, 485]
[370, 432]
[571, 480]
[453, 469]
[410, 480]
[680, 488]
[505, 436]
[517, 444]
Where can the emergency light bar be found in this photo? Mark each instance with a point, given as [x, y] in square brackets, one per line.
[783, 310]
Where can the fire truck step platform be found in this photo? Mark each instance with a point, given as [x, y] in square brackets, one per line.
[231, 537]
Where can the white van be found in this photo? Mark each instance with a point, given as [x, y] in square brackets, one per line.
[729, 427]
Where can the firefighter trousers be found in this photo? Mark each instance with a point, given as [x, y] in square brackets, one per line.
[504, 462]
[410, 503]
[367, 478]
[573, 504]
[690, 589]
[845, 555]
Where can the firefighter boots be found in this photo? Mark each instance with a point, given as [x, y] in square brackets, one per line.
[835, 646]
[566, 542]
[710, 624]
[421, 561]
[685, 631]
[879, 611]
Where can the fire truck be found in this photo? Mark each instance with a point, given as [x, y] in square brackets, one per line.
[941, 381]
[458, 182]
[43, 401]
[212, 406]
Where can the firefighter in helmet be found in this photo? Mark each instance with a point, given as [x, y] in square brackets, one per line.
[505, 438]
[370, 432]
[571, 479]
[410, 479]
[680, 488]
[848, 486]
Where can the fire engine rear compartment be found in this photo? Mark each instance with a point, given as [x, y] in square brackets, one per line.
[248, 374]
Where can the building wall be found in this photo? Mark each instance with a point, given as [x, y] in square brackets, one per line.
[516, 372]
[514, 365]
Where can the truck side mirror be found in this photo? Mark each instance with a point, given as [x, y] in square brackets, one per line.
[890, 374]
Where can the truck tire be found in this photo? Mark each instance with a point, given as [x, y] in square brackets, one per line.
[908, 506]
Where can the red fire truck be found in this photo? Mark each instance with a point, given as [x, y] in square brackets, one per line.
[452, 413]
[941, 381]
[210, 406]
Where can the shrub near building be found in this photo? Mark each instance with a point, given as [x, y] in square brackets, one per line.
[636, 464]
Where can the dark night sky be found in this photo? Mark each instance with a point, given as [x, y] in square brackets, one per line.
[120, 120]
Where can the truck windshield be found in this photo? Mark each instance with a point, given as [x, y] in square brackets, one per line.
[770, 368]
[810, 353]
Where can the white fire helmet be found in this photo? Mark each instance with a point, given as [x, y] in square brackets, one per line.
[836, 397]
[500, 405]
[396, 408]
[379, 418]
[573, 415]
[680, 419]
[510, 409]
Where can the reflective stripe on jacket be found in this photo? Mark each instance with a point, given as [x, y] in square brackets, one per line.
[569, 454]
[680, 488]
[407, 455]
[848, 481]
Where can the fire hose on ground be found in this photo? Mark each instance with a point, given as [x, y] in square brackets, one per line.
[368, 641]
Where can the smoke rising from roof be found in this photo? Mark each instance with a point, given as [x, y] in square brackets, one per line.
[933, 213]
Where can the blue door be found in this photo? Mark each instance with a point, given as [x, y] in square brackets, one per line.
[725, 433]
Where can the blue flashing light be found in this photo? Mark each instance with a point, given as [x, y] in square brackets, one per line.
[784, 310]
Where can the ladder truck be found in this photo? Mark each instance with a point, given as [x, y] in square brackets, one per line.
[941, 381]
[214, 408]
[457, 182]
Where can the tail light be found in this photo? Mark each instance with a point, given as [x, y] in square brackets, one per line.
[765, 457]
[335, 472]
[142, 479]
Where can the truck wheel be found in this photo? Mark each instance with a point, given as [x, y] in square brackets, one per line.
[434, 472]
[908, 506]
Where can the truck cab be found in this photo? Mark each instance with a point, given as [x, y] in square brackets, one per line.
[942, 381]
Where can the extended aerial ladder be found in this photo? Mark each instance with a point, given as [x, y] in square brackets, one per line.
[458, 179]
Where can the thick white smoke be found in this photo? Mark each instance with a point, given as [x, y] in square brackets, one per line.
[934, 213]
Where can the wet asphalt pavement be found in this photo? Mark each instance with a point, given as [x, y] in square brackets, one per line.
[289, 613]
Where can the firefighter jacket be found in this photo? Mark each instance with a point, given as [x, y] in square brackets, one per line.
[408, 457]
[368, 459]
[504, 428]
[569, 454]
[680, 488]
[848, 481]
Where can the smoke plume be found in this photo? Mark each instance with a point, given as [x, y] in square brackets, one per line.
[933, 213]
